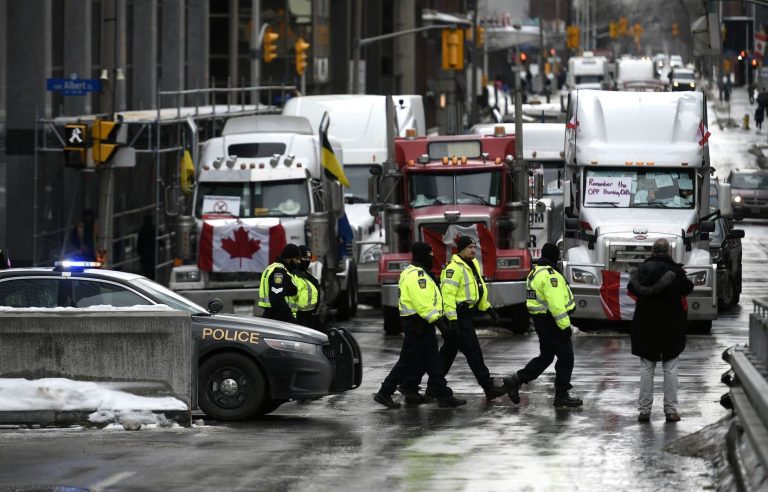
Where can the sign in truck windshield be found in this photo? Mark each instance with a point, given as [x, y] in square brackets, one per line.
[464, 148]
[219, 204]
[634, 188]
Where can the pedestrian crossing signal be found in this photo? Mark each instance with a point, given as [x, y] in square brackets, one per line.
[75, 145]
[104, 145]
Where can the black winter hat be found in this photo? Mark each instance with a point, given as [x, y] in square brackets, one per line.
[463, 242]
[290, 251]
[422, 253]
[550, 252]
[305, 253]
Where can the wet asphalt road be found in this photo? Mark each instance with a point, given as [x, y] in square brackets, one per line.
[348, 441]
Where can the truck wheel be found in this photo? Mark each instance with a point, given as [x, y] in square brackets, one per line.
[230, 387]
[347, 303]
[391, 321]
[520, 320]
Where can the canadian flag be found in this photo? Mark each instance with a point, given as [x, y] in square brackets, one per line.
[573, 123]
[617, 303]
[239, 247]
[702, 134]
[443, 246]
[760, 40]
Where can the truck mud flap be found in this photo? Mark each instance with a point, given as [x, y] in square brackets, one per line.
[346, 359]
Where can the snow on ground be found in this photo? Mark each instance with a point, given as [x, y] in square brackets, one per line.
[98, 308]
[18, 394]
[732, 146]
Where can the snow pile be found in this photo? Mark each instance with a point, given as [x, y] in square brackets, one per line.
[18, 394]
[100, 307]
[131, 419]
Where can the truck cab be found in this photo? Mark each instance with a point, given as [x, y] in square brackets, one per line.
[586, 72]
[264, 173]
[445, 187]
[637, 168]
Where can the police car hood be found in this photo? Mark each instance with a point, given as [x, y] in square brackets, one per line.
[266, 327]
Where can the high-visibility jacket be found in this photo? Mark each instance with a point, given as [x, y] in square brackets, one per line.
[548, 291]
[276, 283]
[306, 297]
[458, 285]
[419, 294]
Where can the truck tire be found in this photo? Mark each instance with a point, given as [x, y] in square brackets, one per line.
[230, 387]
[391, 321]
[347, 304]
[519, 319]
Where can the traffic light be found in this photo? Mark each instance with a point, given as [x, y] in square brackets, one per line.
[572, 34]
[637, 31]
[75, 145]
[623, 26]
[269, 45]
[523, 57]
[103, 135]
[301, 48]
[453, 49]
[480, 36]
[754, 62]
[613, 29]
[675, 29]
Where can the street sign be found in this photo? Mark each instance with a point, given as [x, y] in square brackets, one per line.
[73, 86]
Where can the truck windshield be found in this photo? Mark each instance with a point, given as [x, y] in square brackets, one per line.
[639, 188]
[553, 176]
[483, 188]
[589, 79]
[287, 198]
[358, 179]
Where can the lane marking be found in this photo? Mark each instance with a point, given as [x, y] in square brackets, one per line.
[110, 481]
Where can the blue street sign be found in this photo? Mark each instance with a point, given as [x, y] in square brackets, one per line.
[73, 87]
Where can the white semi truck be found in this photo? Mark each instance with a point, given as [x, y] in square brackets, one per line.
[637, 169]
[359, 124]
[264, 172]
[587, 71]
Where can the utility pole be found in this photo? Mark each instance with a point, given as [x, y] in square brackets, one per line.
[255, 48]
[356, 43]
[473, 65]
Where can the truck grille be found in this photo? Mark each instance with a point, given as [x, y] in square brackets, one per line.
[758, 201]
[240, 277]
[442, 227]
[626, 257]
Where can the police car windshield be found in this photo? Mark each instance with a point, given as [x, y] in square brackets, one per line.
[168, 297]
[284, 198]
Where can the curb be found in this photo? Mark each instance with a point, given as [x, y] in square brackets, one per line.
[67, 418]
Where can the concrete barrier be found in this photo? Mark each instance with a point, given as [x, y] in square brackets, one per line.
[149, 352]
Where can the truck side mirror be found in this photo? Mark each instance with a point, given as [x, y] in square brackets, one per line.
[736, 234]
[707, 226]
[337, 197]
[724, 200]
[566, 194]
[571, 224]
[374, 187]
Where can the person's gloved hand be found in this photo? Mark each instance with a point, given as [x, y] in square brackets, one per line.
[453, 326]
[441, 325]
[494, 315]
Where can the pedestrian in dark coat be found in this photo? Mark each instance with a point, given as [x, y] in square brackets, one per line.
[658, 325]
[759, 116]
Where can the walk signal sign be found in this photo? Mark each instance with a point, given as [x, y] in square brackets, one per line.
[75, 145]
[103, 134]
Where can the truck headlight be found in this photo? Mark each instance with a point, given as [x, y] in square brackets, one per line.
[580, 276]
[698, 278]
[371, 254]
[507, 263]
[190, 276]
[291, 346]
[737, 199]
[397, 266]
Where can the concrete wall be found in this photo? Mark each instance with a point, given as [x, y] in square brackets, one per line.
[126, 346]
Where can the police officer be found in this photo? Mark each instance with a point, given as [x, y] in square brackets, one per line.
[304, 303]
[421, 308]
[550, 301]
[277, 285]
[464, 296]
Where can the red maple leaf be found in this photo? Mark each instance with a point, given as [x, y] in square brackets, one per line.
[241, 247]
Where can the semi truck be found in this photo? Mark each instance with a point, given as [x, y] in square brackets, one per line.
[587, 71]
[637, 169]
[259, 186]
[439, 188]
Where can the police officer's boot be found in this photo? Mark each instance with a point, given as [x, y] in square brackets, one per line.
[412, 395]
[493, 392]
[513, 384]
[563, 399]
[385, 400]
[451, 402]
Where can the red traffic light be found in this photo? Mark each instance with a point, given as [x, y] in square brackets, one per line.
[754, 62]
[523, 57]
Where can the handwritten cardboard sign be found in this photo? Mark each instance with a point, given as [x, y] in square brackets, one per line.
[601, 191]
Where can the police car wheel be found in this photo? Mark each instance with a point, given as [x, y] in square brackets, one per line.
[230, 387]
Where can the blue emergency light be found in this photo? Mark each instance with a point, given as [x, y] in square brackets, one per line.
[75, 265]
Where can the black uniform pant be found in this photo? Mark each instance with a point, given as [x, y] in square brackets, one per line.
[418, 355]
[308, 319]
[465, 339]
[284, 315]
[553, 342]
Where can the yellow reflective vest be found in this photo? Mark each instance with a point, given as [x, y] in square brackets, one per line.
[548, 291]
[419, 294]
[306, 297]
[264, 284]
[458, 285]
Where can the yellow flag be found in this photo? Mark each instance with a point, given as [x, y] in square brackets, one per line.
[331, 163]
[187, 173]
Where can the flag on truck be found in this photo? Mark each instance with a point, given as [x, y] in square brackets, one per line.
[239, 247]
[330, 162]
[443, 245]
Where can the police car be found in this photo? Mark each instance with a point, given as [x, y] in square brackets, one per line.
[247, 366]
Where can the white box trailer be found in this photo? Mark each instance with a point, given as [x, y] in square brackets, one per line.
[638, 170]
